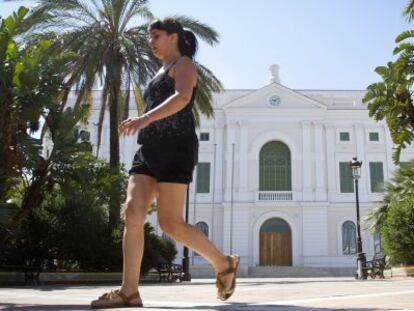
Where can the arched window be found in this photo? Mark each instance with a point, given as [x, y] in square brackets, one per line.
[204, 228]
[348, 238]
[275, 167]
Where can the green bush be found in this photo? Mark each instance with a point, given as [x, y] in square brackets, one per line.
[398, 231]
[152, 249]
[168, 251]
[71, 231]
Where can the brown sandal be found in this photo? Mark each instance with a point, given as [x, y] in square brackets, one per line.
[104, 301]
[222, 293]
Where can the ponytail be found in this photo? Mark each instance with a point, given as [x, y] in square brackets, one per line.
[187, 43]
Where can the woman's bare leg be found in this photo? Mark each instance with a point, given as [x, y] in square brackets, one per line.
[140, 193]
[170, 210]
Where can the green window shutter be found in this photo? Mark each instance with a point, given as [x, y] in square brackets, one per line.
[346, 179]
[373, 136]
[203, 177]
[377, 176]
[275, 167]
[204, 136]
[344, 136]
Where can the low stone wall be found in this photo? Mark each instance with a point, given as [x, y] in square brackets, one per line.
[7, 278]
[398, 272]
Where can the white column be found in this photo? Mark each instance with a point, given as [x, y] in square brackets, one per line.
[307, 161]
[320, 172]
[217, 187]
[360, 148]
[226, 227]
[242, 156]
[230, 140]
[330, 161]
[218, 139]
[389, 166]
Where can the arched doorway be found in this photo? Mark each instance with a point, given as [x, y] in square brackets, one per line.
[275, 243]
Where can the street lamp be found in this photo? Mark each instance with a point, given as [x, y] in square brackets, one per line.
[361, 259]
[186, 261]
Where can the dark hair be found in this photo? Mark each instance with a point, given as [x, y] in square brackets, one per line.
[187, 41]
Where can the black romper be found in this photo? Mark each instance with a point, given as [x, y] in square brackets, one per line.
[169, 147]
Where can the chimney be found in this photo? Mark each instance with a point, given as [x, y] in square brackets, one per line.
[274, 74]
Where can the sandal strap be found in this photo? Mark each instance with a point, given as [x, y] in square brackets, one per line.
[123, 297]
[229, 270]
[219, 284]
[133, 296]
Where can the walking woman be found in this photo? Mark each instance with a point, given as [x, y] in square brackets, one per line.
[164, 164]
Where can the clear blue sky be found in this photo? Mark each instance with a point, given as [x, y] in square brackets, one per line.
[318, 44]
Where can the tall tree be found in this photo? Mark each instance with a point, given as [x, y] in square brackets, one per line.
[391, 98]
[110, 48]
[31, 84]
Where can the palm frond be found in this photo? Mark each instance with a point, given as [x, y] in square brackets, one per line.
[408, 11]
[205, 32]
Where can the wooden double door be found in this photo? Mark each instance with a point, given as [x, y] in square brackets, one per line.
[276, 247]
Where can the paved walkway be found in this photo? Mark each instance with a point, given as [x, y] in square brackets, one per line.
[290, 294]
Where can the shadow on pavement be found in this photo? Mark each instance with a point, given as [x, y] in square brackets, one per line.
[227, 307]
[51, 287]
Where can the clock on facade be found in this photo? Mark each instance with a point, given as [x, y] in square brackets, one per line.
[274, 100]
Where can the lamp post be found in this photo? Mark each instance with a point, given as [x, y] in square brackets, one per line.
[186, 267]
[361, 259]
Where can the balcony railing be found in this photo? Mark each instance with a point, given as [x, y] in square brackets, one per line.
[274, 195]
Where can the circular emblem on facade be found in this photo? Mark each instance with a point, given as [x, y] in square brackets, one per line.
[274, 100]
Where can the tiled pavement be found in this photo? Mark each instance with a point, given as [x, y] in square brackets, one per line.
[304, 294]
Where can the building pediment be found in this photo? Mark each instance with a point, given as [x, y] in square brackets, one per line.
[275, 96]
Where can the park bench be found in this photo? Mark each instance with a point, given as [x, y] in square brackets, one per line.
[169, 272]
[11, 260]
[376, 266]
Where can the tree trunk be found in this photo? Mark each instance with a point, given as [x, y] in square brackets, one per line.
[114, 159]
[33, 198]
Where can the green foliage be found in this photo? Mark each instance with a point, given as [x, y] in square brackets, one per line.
[71, 226]
[31, 79]
[399, 187]
[32, 84]
[168, 251]
[409, 10]
[394, 217]
[152, 249]
[71, 230]
[398, 231]
[391, 98]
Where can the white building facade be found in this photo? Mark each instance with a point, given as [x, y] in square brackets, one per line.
[274, 183]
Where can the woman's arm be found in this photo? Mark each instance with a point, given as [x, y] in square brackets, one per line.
[185, 76]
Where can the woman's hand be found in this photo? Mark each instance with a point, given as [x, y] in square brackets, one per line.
[132, 125]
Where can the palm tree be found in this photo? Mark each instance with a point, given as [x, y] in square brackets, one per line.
[31, 83]
[100, 32]
[409, 10]
[398, 188]
[391, 99]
